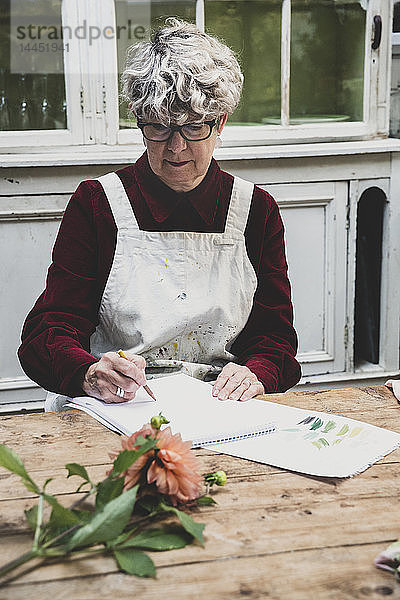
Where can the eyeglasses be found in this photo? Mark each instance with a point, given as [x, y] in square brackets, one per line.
[192, 132]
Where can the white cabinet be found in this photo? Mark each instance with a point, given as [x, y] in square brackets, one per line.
[318, 188]
[28, 225]
[314, 215]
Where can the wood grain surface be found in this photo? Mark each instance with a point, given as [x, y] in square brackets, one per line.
[274, 534]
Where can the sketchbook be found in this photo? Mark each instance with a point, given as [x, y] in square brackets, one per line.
[316, 443]
[301, 440]
[190, 407]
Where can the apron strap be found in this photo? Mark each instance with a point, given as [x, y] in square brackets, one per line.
[239, 206]
[118, 200]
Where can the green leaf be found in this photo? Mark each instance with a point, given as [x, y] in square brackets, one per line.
[195, 529]
[157, 539]
[11, 461]
[148, 503]
[317, 424]
[84, 516]
[61, 517]
[46, 483]
[31, 516]
[76, 469]
[120, 539]
[205, 501]
[78, 489]
[135, 562]
[109, 489]
[107, 523]
[126, 458]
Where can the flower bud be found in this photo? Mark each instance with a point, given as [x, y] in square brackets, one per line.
[158, 420]
[217, 478]
[389, 559]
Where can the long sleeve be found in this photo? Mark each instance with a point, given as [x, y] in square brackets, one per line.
[268, 343]
[56, 333]
[55, 349]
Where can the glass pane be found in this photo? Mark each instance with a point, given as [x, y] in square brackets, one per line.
[32, 83]
[140, 17]
[327, 60]
[252, 28]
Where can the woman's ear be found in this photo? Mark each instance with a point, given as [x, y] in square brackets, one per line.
[221, 123]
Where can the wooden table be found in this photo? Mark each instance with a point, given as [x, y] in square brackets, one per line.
[274, 534]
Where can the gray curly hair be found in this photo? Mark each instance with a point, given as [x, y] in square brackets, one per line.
[181, 75]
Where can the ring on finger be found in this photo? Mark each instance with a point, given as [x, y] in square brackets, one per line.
[120, 392]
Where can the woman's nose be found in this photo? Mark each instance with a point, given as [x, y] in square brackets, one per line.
[176, 142]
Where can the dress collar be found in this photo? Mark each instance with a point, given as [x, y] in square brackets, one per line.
[162, 200]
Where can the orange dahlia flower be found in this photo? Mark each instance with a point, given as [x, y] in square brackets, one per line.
[175, 470]
[133, 473]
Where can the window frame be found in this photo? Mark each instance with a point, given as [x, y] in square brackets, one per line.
[375, 121]
[91, 79]
[74, 133]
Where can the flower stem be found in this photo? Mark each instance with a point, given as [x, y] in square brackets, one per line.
[38, 523]
[60, 536]
[17, 562]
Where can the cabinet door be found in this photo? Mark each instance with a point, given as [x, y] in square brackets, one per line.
[28, 226]
[314, 215]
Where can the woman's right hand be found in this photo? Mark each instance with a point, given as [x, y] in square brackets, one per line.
[103, 378]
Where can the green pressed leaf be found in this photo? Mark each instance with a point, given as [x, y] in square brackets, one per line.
[107, 523]
[135, 562]
[126, 458]
[330, 425]
[344, 430]
[31, 516]
[157, 539]
[323, 442]
[107, 490]
[306, 421]
[205, 501]
[355, 431]
[320, 443]
[12, 462]
[195, 529]
[76, 469]
[317, 424]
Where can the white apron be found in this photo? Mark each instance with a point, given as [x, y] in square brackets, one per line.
[175, 297]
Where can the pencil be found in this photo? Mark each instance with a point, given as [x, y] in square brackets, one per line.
[146, 387]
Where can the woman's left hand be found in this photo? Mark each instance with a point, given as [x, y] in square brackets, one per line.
[237, 382]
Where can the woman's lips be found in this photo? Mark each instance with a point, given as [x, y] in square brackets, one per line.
[177, 164]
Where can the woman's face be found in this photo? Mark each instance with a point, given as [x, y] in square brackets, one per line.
[180, 164]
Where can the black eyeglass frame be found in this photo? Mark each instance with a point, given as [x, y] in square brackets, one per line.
[173, 128]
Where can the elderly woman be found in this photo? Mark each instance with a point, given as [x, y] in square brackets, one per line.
[177, 262]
